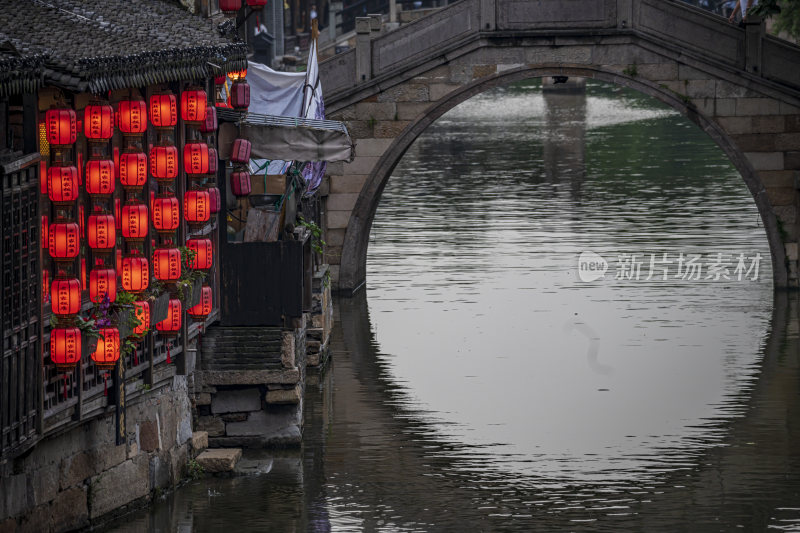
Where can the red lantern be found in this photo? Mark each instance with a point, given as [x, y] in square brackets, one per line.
[133, 170]
[164, 163]
[63, 241]
[240, 95]
[106, 354]
[204, 253]
[65, 296]
[203, 307]
[193, 105]
[98, 122]
[142, 312]
[65, 347]
[135, 273]
[134, 221]
[132, 117]
[219, 80]
[213, 162]
[209, 125]
[163, 110]
[61, 127]
[166, 214]
[215, 199]
[62, 185]
[171, 325]
[240, 183]
[102, 283]
[256, 4]
[196, 206]
[100, 177]
[101, 233]
[195, 157]
[167, 264]
[241, 151]
[230, 6]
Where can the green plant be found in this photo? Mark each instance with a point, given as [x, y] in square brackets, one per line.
[194, 469]
[631, 71]
[189, 275]
[326, 279]
[316, 234]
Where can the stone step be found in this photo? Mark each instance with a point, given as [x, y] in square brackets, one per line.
[199, 441]
[216, 460]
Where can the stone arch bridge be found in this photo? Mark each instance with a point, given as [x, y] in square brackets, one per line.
[740, 86]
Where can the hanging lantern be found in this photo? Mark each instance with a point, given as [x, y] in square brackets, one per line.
[134, 221]
[193, 105]
[240, 95]
[135, 273]
[240, 183]
[98, 122]
[214, 199]
[133, 170]
[106, 354]
[230, 6]
[241, 151]
[236, 75]
[219, 80]
[100, 177]
[65, 296]
[256, 4]
[170, 326]
[65, 347]
[163, 110]
[195, 158]
[213, 163]
[203, 253]
[196, 206]
[209, 125]
[132, 117]
[61, 126]
[101, 233]
[63, 241]
[164, 163]
[141, 312]
[203, 307]
[62, 185]
[166, 214]
[102, 283]
[167, 264]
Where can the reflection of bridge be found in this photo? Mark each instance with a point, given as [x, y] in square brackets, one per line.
[740, 86]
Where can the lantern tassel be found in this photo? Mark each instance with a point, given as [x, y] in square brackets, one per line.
[169, 358]
[105, 383]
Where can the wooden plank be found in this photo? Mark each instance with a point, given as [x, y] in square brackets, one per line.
[262, 225]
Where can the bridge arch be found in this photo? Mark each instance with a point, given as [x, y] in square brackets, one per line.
[354, 245]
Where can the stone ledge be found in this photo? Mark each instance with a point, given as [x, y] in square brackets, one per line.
[288, 376]
[219, 459]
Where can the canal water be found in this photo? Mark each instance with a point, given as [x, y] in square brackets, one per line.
[568, 324]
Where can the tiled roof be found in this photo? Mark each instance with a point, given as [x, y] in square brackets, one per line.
[97, 45]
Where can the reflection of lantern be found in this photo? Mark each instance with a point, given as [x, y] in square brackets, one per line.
[100, 177]
[132, 117]
[61, 127]
[135, 273]
[63, 241]
[101, 233]
[241, 151]
[164, 163]
[167, 264]
[65, 296]
[142, 313]
[240, 183]
[171, 325]
[166, 214]
[102, 283]
[195, 158]
[240, 95]
[203, 307]
[209, 125]
[204, 253]
[230, 6]
[134, 222]
[193, 105]
[196, 206]
[65, 347]
[133, 170]
[163, 110]
[106, 354]
[213, 162]
[98, 122]
[62, 185]
[214, 199]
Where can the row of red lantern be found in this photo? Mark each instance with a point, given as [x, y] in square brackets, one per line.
[65, 348]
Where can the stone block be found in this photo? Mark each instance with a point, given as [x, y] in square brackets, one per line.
[160, 470]
[38, 520]
[769, 124]
[202, 398]
[360, 129]
[789, 109]
[372, 147]
[13, 495]
[219, 459]
[777, 178]
[657, 71]
[76, 469]
[250, 377]
[280, 424]
[236, 401]
[390, 128]
[726, 89]
[787, 214]
[199, 440]
[787, 141]
[482, 71]
[288, 349]
[439, 90]
[410, 111]
[765, 160]
[685, 72]
[342, 202]
[791, 251]
[700, 88]
[757, 106]
[284, 396]
[338, 219]
[736, 125]
[178, 457]
[234, 417]
[334, 237]
[364, 164]
[781, 196]
[792, 160]
[505, 67]
[212, 425]
[119, 486]
[375, 111]
[755, 142]
[149, 437]
[108, 456]
[725, 107]
[44, 484]
[567, 54]
[704, 105]
[69, 510]
[405, 92]
[348, 183]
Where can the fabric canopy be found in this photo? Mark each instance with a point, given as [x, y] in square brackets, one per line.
[297, 139]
